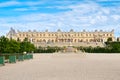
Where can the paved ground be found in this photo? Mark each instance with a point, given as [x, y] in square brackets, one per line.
[64, 67]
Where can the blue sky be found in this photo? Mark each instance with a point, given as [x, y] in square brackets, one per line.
[60, 14]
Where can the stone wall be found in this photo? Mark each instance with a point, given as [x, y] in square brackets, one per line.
[62, 44]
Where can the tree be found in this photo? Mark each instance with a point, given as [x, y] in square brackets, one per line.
[115, 47]
[4, 42]
[14, 46]
[25, 40]
[109, 39]
[26, 47]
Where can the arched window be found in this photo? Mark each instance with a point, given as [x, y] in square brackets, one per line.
[90, 34]
[43, 34]
[23, 35]
[74, 34]
[69, 35]
[20, 35]
[110, 34]
[107, 34]
[44, 40]
[52, 34]
[86, 34]
[87, 40]
[81, 34]
[81, 40]
[40, 40]
[52, 40]
[75, 40]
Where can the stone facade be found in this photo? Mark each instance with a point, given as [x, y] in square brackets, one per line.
[60, 37]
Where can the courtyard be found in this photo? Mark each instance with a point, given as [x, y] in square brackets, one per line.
[64, 66]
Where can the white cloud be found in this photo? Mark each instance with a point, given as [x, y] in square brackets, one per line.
[21, 9]
[106, 11]
[18, 3]
[81, 16]
[116, 17]
[33, 3]
[9, 3]
[25, 9]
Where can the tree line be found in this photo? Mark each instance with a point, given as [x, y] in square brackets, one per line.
[48, 49]
[13, 46]
[111, 47]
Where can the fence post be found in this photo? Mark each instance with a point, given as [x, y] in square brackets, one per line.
[2, 60]
[12, 59]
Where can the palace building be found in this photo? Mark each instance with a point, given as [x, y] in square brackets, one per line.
[60, 38]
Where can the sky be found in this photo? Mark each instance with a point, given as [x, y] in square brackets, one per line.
[24, 15]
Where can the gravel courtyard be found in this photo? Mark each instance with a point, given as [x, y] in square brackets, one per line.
[64, 67]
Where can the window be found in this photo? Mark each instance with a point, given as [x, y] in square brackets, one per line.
[81, 34]
[43, 34]
[20, 35]
[74, 34]
[23, 35]
[90, 34]
[86, 34]
[87, 40]
[110, 34]
[27, 35]
[103, 34]
[69, 35]
[52, 34]
[107, 34]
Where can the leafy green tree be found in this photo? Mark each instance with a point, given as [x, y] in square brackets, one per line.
[109, 39]
[115, 47]
[13, 46]
[4, 44]
[26, 46]
[25, 40]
